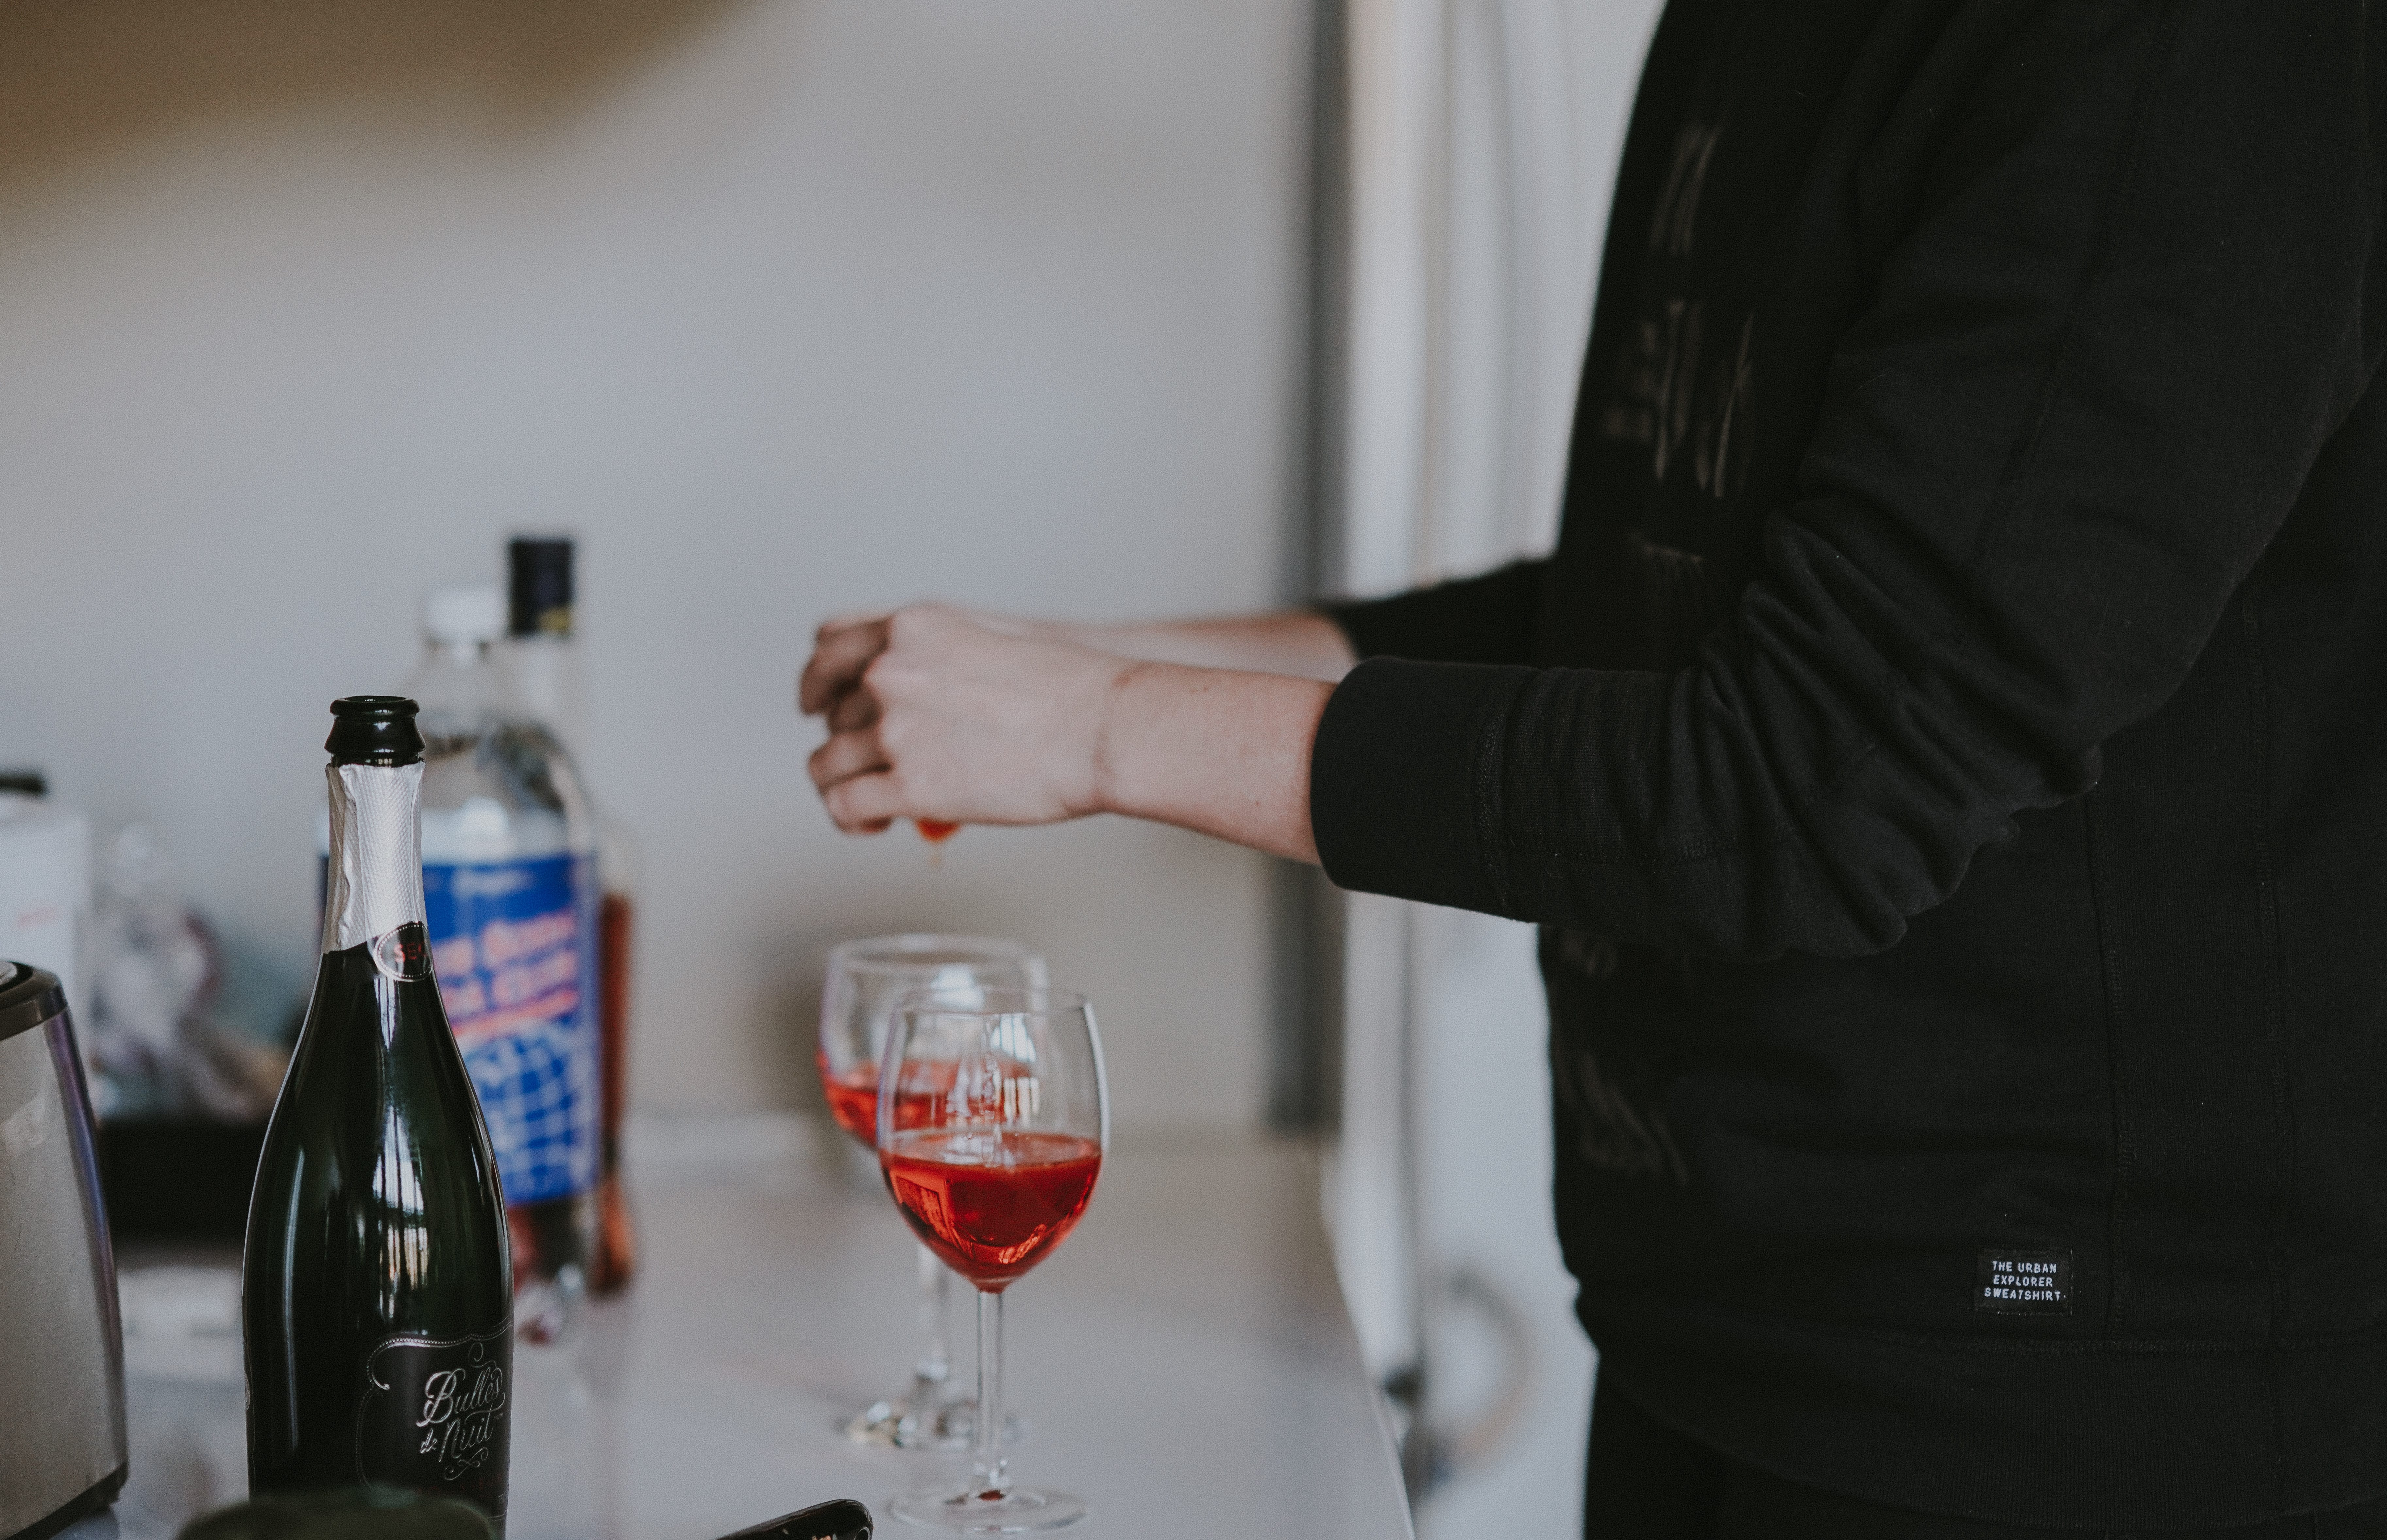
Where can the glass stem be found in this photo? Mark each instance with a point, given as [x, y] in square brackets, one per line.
[992, 1479]
[936, 1363]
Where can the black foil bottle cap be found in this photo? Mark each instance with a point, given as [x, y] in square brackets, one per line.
[374, 729]
[539, 586]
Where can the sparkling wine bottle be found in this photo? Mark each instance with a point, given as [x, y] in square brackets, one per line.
[376, 1292]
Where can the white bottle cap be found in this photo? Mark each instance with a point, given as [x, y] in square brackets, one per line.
[463, 613]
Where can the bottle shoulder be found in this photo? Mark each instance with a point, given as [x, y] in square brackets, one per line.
[497, 783]
[505, 791]
[375, 1055]
[378, 1185]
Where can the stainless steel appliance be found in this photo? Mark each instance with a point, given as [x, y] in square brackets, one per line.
[61, 1348]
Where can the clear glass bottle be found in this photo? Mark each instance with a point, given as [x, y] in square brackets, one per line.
[511, 890]
[541, 656]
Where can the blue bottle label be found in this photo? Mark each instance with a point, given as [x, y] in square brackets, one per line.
[514, 943]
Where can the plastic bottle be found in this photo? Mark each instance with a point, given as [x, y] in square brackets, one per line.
[510, 882]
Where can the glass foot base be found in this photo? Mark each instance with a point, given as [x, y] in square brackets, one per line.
[1019, 1511]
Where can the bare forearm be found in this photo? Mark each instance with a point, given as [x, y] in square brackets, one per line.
[1298, 643]
[1219, 751]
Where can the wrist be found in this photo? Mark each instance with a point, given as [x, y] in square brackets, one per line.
[1112, 729]
[1215, 751]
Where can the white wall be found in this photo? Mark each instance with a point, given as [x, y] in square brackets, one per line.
[784, 306]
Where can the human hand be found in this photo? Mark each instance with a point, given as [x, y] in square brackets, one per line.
[936, 713]
[844, 646]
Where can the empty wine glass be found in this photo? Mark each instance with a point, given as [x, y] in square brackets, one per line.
[865, 978]
[993, 1120]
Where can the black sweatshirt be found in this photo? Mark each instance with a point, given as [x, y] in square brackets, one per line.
[1947, 754]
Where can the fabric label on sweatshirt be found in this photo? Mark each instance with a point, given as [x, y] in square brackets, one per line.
[2025, 1283]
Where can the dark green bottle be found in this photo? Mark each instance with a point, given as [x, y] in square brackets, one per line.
[376, 1291]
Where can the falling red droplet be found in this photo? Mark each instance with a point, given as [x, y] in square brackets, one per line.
[936, 831]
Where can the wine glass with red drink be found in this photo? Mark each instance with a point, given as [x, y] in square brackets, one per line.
[993, 1120]
[865, 978]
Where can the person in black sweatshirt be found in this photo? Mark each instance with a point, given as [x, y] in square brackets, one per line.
[1946, 755]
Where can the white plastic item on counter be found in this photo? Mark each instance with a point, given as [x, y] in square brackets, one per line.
[45, 891]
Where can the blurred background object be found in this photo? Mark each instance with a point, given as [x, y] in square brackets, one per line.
[510, 895]
[45, 883]
[188, 1039]
[783, 309]
[173, 1036]
[542, 659]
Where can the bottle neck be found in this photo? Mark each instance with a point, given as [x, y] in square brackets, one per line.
[457, 654]
[375, 877]
[544, 671]
[554, 622]
[462, 692]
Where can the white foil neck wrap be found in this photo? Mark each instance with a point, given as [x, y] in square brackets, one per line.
[376, 868]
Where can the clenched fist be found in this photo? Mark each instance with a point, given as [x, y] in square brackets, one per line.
[934, 712]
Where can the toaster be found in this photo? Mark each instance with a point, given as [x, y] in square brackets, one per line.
[61, 1346]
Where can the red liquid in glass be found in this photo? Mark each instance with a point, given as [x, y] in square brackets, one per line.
[991, 1205]
[853, 1097]
[936, 831]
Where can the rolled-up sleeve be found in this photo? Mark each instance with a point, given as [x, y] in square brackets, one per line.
[2090, 380]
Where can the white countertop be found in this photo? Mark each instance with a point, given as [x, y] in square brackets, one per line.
[1183, 1362]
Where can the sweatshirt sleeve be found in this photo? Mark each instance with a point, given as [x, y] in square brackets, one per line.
[1475, 620]
[2097, 361]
